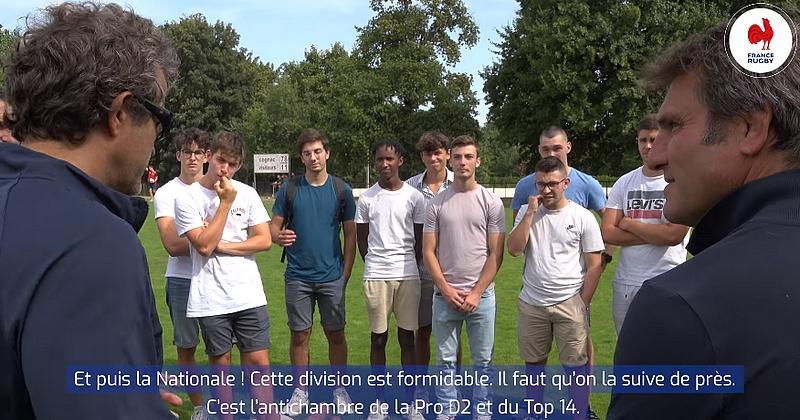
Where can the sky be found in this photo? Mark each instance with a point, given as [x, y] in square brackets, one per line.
[279, 31]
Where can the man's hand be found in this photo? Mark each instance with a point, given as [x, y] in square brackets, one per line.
[286, 237]
[623, 223]
[533, 203]
[471, 302]
[453, 298]
[225, 190]
[169, 397]
[221, 247]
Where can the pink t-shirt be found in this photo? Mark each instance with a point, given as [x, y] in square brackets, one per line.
[462, 221]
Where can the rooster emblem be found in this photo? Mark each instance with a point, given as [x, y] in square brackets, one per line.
[756, 35]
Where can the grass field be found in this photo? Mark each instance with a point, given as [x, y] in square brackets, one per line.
[508, 283]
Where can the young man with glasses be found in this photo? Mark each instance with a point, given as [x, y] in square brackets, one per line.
[634, 220]
[562, 243]
[584, 190]
[191, 145]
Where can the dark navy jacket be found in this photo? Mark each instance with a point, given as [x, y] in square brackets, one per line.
[737, 302]
[74, 290]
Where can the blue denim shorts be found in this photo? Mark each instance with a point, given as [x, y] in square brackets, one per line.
[185, 331]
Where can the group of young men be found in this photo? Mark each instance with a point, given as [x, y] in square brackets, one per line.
[566, 250]
[212, 227]
[431, 246]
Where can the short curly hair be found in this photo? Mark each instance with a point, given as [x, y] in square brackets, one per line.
[73, 59]
[430, 141]
[192, 135]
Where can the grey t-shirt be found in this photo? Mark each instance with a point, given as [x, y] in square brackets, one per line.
[462, 221]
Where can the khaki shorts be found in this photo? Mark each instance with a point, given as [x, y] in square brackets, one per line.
[386, 296]
[425, 302]
[567, 321]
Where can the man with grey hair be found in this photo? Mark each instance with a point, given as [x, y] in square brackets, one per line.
[87, 84]
[729, 146]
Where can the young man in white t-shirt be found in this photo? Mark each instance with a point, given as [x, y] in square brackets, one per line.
[462, 246]
[634, 219]
[389, 219]
[562, 243]
[226, 224]
[191, 146]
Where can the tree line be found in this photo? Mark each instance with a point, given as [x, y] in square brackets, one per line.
[573, 63]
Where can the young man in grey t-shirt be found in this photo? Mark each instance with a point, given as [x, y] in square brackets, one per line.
[462, 247]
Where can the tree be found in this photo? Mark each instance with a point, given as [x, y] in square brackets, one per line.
[393, 85]
[217, 81]
[500, 162]
[7, 40]
[576, 63]
[339, 93]
[328, 91]
[406, 47]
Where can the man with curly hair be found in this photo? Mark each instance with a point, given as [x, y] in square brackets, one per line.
[87, 84]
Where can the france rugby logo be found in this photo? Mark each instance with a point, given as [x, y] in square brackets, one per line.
[761, 40]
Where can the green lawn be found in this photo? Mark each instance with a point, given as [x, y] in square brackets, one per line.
[508, 283]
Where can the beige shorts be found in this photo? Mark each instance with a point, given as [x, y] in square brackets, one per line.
[425, 302]
[567, 321]
[386, 296]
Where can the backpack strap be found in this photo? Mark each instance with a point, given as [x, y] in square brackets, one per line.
[340, 186]
[291, 191]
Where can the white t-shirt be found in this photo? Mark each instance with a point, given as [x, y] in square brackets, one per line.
[391, 216]
[554, 263]
[222, 284]
[641, 198]
[164, 201]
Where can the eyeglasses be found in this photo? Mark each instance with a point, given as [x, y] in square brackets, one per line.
[552, 185]
[199, 153]
[162, 116]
